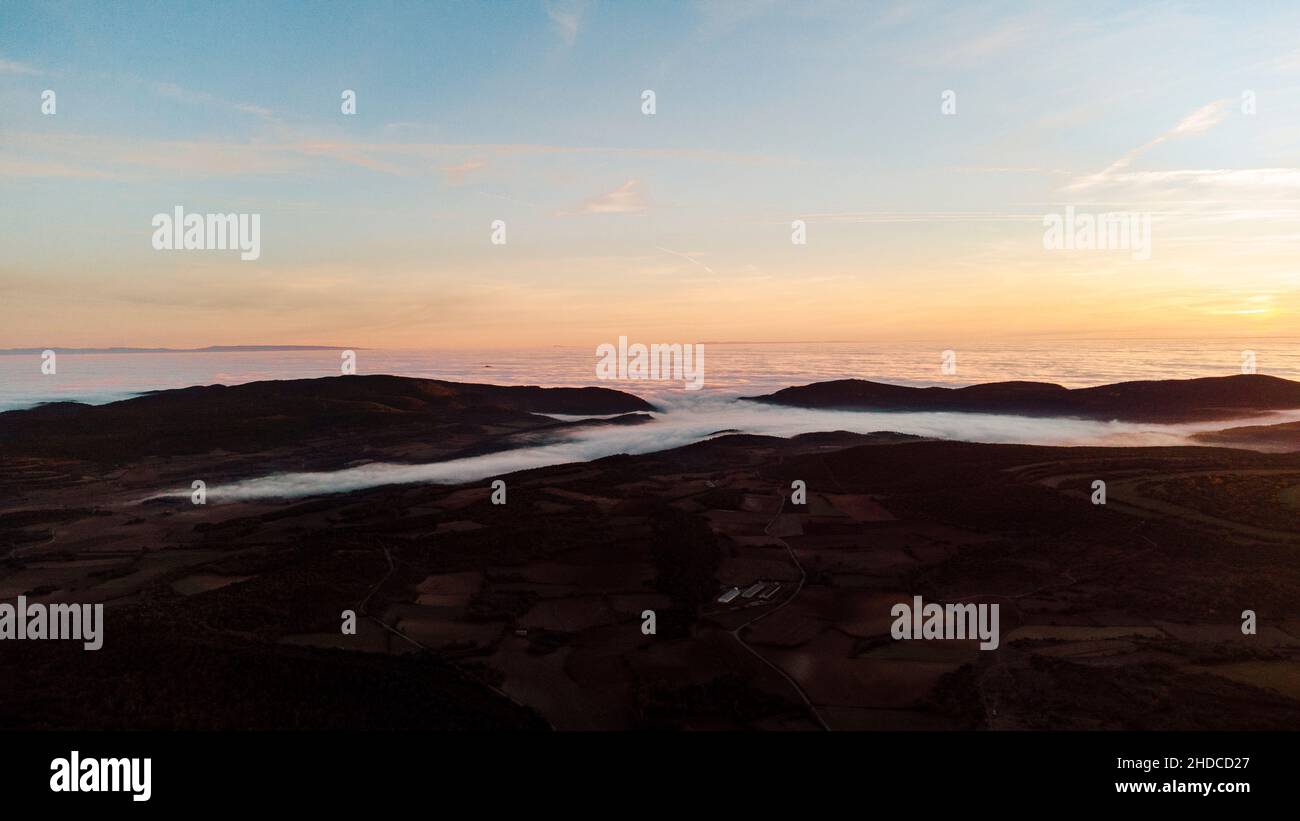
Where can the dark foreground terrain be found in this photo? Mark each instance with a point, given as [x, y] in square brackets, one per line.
[529, 614]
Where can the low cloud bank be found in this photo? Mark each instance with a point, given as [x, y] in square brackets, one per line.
[688, 419]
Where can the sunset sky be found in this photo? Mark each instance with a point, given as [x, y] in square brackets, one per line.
[674, 227]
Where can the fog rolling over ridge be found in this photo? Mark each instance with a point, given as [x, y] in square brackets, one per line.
[687, 418]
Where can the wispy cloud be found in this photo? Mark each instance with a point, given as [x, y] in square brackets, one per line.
[1198, 122]
[457, 172]
[1208, 182]
[722, 16]
[15, 67]
[921, 216]
[349, 153]
[1288, 63]
[566, 18]
[689, 257]
[626, 199]
[185, 95]
[50, 170]
[988, 44]
[100, 156]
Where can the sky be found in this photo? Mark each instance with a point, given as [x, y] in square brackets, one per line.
[923, 210]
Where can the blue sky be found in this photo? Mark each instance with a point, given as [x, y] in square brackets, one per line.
[677, 225]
